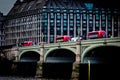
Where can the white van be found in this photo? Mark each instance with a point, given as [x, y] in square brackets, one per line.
[76, 39]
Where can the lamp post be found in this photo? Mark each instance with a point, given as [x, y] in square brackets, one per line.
[41, 49]
[78, 33]
[42, 36]
[17, 41]
[88, 69]
[16, 55]
[79, 41]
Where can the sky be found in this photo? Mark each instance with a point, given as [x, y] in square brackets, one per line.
[6, 5]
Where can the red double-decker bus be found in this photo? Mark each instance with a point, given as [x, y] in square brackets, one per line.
[27, 43]
[96, 34]
[65, 38]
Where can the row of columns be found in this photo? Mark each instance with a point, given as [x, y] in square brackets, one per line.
[81, 25]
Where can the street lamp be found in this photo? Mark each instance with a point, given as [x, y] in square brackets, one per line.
[78, 33]
[79, 41]
[42, 36]
[17, 41]
[42, 41]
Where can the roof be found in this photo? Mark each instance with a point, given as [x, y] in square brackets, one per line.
[25, 6]
[28, 5]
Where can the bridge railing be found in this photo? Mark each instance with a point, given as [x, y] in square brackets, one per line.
[101, 40]
[60, 44]
[29, 47]
[83, 42]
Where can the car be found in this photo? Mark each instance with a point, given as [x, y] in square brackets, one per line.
[76, 38]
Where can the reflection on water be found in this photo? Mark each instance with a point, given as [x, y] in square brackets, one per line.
[28, 69]
[18, 68]
[93, 60]
[57, 70]
[99, 71]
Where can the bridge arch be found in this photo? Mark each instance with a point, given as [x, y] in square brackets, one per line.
[101, 54]
[29, 56]
[60, 55]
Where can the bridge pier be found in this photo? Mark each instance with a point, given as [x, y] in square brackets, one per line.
[78, 50]
[41, 54]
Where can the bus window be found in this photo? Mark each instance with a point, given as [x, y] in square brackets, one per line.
[62, 38]
[96, 34]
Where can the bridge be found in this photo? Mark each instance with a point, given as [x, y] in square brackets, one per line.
[96, 50]
[63, 58]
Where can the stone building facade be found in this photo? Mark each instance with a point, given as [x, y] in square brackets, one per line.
[30, 20]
